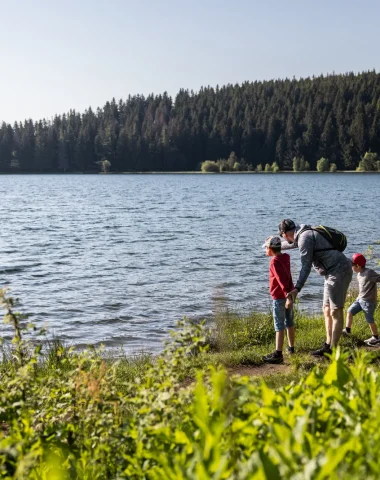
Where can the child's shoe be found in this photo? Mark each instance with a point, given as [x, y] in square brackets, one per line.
[291, 350]
[372, 342]
[345, 332]
[275, 357]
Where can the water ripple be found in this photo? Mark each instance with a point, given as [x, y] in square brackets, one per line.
[118, 259]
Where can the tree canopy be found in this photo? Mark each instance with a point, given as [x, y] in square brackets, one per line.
[336, 117]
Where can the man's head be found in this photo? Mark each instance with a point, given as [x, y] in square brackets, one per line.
[272, 246]
[358, 262]
[287, 230]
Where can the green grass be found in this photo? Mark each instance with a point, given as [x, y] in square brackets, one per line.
[234, 340]
[180, 415]
[244, 339]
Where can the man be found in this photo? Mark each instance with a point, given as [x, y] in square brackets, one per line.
[315, 250]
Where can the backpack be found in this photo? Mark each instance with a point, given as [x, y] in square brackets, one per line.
[337, 239]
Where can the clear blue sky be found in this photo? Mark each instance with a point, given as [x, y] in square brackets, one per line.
[57, 55]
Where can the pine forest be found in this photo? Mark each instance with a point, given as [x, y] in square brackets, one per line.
[335, 117]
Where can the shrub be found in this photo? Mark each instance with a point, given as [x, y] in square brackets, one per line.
[209, 166]
[333, 167]
[226, 165]
[323, 165]
[79, 421]
[223, 165]
[296, 164]
[369, 163]
[259, 168]
[232, 159]
[104, 164]
[299, 164]
[275, 167]
[268, 168]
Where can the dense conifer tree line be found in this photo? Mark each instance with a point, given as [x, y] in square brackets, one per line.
[334, 116]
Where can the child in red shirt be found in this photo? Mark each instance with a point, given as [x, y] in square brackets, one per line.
[280, 284]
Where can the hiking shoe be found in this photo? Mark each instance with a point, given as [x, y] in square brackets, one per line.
[345, 332]
[372, 342]
[291, 350]
[322, 351]
[274, 358]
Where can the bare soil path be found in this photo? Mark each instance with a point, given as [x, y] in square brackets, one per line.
[260, 370]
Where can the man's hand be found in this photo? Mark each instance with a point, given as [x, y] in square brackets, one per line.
[292, 295]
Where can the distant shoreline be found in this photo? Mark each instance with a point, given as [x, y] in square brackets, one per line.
[286, 172]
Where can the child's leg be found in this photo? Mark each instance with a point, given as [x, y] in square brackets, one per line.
[278, 319]
[279, 322]
[351, 312]
[290, 332]
[373, 328]
[349, 319]
[369, 312]
[280, 340]
[289, 325]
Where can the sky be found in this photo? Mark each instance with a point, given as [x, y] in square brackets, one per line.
[62, 55]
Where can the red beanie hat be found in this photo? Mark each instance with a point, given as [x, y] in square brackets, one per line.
[359, 259]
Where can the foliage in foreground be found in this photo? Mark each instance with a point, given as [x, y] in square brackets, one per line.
[82, 422]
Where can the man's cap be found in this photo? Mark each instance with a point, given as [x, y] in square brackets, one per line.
[286, 226]
[273, 241]
[359, 259]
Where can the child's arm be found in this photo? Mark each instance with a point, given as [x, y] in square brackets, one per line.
[376, 277]
[281, 276]
[373, 276]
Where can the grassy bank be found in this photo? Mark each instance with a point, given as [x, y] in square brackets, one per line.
[181, 415]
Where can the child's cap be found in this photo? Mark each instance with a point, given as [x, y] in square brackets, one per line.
[359, 259]
[273, 241]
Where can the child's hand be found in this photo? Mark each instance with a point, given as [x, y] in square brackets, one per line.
[288, 303]
[293, 294]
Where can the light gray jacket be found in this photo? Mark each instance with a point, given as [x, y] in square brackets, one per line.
[368, 280]
[327, 262]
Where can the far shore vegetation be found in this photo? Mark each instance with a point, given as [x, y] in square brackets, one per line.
[369, 163]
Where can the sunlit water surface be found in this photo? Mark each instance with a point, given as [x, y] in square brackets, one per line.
[117, 259]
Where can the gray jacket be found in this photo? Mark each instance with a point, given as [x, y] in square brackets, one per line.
[328, 262]
[368, 280]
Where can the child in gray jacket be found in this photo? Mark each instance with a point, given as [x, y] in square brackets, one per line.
[367, 299]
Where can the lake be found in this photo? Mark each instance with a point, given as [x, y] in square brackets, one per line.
[117, 259]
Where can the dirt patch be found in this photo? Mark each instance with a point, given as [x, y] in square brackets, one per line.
[371, 349]
[260, 370]
[249, 371]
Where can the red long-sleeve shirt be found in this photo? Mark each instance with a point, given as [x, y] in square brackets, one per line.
[280, 276]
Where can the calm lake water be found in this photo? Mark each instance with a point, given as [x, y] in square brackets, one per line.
[117, 259]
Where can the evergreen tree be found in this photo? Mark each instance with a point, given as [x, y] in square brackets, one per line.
[336, 117]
